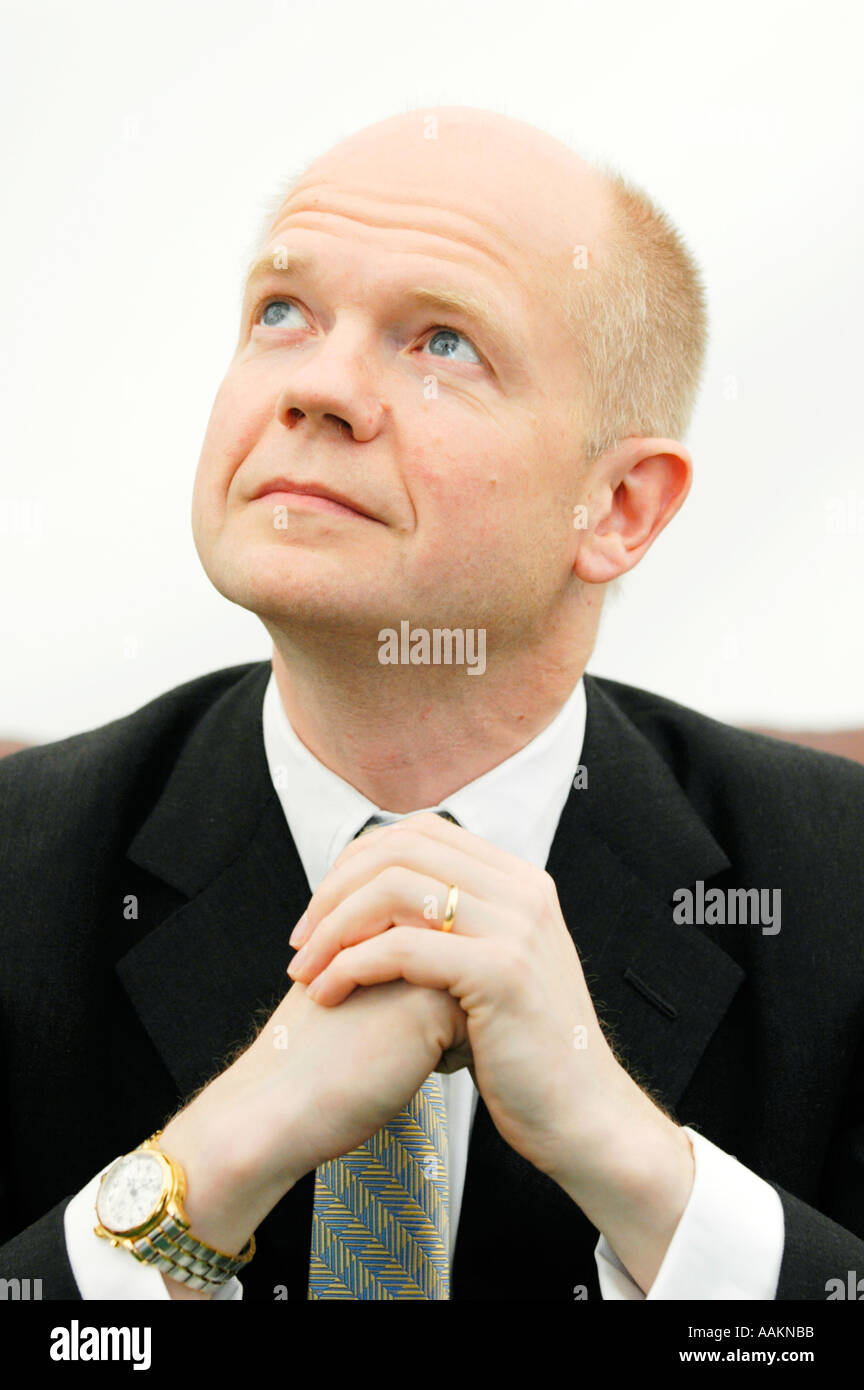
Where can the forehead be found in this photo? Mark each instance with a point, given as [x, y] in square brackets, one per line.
[494, 196]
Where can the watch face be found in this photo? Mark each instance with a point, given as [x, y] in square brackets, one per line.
[131, 1192]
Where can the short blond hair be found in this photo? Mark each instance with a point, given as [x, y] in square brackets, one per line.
[638, 315]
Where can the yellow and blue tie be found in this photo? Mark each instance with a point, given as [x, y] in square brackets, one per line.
[380, 1217]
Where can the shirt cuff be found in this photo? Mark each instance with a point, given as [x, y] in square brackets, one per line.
[102, 1270]
[727, 1245]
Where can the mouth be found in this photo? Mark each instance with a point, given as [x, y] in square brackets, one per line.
[310, 497]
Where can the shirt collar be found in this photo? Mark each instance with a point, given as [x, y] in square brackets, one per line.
[516, 805]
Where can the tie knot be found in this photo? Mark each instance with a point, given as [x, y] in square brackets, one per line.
[386, 818]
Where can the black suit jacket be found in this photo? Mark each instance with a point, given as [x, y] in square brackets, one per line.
[110, 1020]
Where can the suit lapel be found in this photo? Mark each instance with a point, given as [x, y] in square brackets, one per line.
[209, 975]
[218, 834]
[623, 845]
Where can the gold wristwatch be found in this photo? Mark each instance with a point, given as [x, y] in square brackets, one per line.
[140, 1208]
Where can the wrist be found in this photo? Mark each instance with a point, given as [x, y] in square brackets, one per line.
[630, 1156]
[633, 1180]
[228, 1192]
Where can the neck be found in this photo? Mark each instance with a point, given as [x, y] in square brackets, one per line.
[407, 736]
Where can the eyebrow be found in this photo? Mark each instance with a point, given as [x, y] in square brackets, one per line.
[498, 328]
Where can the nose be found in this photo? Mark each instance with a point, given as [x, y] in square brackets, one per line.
[333, 388]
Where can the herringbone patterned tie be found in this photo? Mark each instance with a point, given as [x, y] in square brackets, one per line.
[380, 1219]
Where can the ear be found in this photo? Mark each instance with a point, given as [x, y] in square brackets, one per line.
[635, 490]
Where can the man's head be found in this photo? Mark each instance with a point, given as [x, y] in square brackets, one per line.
[484, 344]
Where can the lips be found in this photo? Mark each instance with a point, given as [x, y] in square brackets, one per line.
[312, 490]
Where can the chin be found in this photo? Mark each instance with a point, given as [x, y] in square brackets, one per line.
[298, 588]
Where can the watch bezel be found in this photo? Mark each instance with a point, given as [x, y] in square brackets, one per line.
[157, 1212]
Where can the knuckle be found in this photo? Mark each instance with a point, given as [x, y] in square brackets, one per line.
[518, 959]
[393, 880]
[546, 889]
[511, 966]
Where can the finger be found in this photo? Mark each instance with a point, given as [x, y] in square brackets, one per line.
[409, 849]
[435, 961]
[395, 897]
[440, 832]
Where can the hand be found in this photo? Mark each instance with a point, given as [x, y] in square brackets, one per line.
[540, 1058]
[552, 1085]
[314, 1084]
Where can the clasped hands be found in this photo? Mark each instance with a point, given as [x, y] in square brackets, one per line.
[553, 1087]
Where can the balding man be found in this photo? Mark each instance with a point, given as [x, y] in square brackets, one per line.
[575, 984]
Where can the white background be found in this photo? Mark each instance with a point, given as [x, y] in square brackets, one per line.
[142, 145]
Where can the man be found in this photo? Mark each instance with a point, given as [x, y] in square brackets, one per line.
[513, 1062]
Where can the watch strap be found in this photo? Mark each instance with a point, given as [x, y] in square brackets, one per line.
[173, 1250]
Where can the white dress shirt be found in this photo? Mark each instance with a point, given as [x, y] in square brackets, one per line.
[729, 1241]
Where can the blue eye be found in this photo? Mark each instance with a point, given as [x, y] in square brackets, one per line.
[275, 313]
[450, 345]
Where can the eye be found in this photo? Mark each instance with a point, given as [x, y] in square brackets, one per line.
[275, 314]
[448, 341]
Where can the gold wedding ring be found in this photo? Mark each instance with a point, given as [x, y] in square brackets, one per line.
[450, 909]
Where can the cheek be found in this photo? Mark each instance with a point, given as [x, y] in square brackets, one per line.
[494, 505]
[468, 489]
[476, 483]
[455, 465]
[236, 422]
